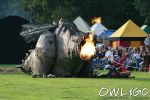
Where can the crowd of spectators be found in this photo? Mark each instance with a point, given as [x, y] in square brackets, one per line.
[124, 59]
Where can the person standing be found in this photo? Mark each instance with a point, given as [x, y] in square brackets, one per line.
[147, 46]
[147, 42]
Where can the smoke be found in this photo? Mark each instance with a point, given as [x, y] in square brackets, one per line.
[12, 8]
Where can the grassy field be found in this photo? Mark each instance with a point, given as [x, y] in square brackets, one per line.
[20, 86]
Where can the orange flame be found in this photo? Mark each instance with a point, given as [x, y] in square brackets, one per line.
[96, 20]
[88, 50]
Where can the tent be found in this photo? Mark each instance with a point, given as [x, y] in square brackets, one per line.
[127, 35]
[146, 28]
[105, 37]
[98, 28]
[107, 34]
[81, 25]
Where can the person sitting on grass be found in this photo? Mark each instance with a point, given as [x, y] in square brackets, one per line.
[117, 72]
[107, 59]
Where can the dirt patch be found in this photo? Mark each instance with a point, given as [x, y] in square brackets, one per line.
[10, 70]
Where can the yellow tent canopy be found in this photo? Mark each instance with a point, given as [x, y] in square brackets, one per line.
[129, 29]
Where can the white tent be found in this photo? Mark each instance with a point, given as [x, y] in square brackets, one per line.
[81, 25]
[98, 28]
[144, 26]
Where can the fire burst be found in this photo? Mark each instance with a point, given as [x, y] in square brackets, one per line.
[88, 50]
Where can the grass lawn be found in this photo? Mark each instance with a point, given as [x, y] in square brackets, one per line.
[20, 86]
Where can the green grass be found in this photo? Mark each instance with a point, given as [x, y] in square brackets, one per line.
[7, 65]
[20, 86]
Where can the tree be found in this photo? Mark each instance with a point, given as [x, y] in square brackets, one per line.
[144, 9]
[113, 13]
[37, 9]
[46, 10]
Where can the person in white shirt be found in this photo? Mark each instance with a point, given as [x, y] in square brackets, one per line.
[108, 59]
[109, 54]
[137, 57]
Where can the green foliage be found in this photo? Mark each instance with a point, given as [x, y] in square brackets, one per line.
[45, 10]
[113, 13]
[38, 9]
[144, 9]
[7, 65]
[62, 12]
